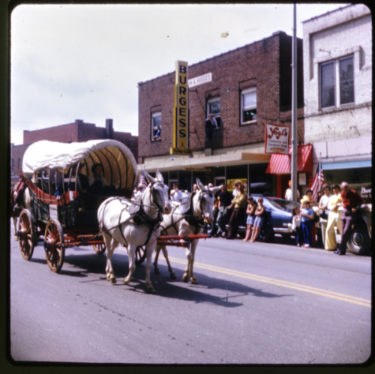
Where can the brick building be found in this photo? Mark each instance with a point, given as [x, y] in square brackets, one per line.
[244, 88]
[77, 131]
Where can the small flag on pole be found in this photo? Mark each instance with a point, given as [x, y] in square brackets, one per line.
[318, 180]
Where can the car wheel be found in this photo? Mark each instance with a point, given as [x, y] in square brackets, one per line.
[359, 240]
[266, 234]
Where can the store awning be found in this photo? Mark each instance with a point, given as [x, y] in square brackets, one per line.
[347, 165]
[180, 163]
[280, 164]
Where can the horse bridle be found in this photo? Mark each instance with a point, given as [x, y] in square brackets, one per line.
[210, 194]
[153, 197]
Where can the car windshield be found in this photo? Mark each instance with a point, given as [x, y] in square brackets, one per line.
[285, 205]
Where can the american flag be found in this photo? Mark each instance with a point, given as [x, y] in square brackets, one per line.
[318, 180]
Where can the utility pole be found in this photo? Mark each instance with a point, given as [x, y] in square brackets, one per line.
[294, 108]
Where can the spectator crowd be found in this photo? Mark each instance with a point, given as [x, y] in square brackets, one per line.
[335, 209]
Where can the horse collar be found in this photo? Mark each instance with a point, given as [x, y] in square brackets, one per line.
[191, 218]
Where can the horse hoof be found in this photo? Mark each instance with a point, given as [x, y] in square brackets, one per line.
[113, 280]
[193, 280]
[126, 281]
[173, 276]
[150, 289]
[185, 278]
[156, 271]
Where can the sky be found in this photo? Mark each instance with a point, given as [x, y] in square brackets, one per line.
[84, 62]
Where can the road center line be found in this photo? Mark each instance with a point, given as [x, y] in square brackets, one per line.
[277, 282]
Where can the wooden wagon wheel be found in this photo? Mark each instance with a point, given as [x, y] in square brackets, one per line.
[140, 255]
[25, 234]
[99, 248]
[54, 245]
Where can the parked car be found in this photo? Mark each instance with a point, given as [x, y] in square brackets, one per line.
[278, 218]
[360, 233]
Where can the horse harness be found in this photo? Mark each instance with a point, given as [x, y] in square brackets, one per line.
[189, 217]
[139, 218]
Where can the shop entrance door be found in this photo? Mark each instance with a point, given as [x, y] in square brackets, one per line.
[284, 184]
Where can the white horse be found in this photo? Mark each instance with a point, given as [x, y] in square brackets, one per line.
[190, 222]
[134, 224]
[25, 203]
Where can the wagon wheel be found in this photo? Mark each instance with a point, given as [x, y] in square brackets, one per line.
[25, 234]
[53, 245]
[140, 255]
[99, 248]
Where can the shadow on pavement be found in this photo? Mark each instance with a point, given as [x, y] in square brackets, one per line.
[91, 264]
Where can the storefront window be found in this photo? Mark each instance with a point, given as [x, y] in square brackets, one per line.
[165, 176]
[261, 182]
[238, 172]
[359, 179]
[173, 174]
[203, 177]
[184, 180]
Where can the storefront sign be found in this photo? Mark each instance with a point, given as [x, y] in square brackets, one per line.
[366, 192]
[276, 139]
[230, 183]
[205, 170]
[181, 111]
[302, 179]
[200, 80]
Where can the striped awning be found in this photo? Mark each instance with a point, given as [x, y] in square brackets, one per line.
[280, 164]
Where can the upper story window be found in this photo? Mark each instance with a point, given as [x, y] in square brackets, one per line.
[327, 84]
[12, 164]
[346, 80]
[337, 82]
[248, 106]
[213, 107]
[19, 163]
[156, 126]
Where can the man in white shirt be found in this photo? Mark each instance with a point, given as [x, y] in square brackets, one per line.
[176, 194]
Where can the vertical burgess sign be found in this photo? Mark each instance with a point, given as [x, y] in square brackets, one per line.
[181, 111]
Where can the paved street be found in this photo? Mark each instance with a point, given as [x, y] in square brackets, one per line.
[254, 304]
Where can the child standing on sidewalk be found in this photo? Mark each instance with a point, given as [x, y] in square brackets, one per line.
[307, 217]
[297, 227]
[250, 211]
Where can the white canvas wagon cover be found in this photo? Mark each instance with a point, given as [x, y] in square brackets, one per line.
[119, 164]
